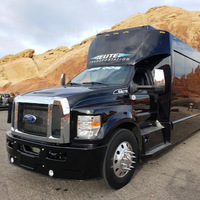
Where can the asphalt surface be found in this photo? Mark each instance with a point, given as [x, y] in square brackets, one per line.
[174, 174]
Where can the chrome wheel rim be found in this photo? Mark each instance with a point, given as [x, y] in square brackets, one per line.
[123, 159]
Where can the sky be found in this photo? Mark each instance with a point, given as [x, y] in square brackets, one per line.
[46, 24]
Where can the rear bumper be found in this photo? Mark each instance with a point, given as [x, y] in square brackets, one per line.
[65, 162]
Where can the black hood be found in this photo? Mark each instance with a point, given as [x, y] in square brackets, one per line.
[78, 96]
[60, 91]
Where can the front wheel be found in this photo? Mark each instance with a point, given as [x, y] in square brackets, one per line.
[120, 159]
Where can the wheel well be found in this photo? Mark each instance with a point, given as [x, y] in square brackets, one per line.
[131, 127]
[127, 125]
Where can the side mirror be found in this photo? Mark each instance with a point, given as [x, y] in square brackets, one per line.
[158, 86]
[63, 79]
[159, 77]
[132, 87]
[159, 80]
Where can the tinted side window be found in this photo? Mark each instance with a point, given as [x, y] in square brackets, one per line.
[141, 77]
[179, 66]
[184, 66]
[185, 87]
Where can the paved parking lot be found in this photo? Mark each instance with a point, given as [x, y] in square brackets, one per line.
[174, 174]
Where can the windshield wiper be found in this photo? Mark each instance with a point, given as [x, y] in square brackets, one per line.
[72, 83]
[95, 83]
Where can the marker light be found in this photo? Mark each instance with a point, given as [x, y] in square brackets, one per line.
[125, 32]
[12, 160]
[51, 173]
[163, 32]
[88, 126]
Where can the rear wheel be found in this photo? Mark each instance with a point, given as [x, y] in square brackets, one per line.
[120, 159]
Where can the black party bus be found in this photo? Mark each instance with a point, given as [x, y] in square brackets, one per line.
[139, 95]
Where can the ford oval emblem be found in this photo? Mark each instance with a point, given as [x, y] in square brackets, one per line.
[29, 118]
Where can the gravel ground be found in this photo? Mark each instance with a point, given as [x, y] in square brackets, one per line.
[174, 174]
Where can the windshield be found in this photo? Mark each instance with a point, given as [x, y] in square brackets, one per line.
[108, 75]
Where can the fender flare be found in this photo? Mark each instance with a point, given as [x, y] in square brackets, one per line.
[121, 120]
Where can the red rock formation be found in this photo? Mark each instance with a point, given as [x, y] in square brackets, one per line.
[25, 71]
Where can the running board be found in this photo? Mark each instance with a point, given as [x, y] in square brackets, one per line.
[160, 147]
[146, 131]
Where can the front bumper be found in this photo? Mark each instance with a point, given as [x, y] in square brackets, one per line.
[56, 160]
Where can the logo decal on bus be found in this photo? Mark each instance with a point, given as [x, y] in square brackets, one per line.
[110, 57]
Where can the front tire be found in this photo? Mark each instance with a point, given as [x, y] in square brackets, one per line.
[120, 159]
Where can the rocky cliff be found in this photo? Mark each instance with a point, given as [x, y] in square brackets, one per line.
[25, 71]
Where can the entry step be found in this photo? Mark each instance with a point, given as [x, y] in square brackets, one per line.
[157, 148]
[146, 131]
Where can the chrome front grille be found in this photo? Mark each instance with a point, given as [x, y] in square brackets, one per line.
[40, 111]
[51, 119]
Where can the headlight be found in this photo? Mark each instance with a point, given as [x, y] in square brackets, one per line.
[88, 126]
